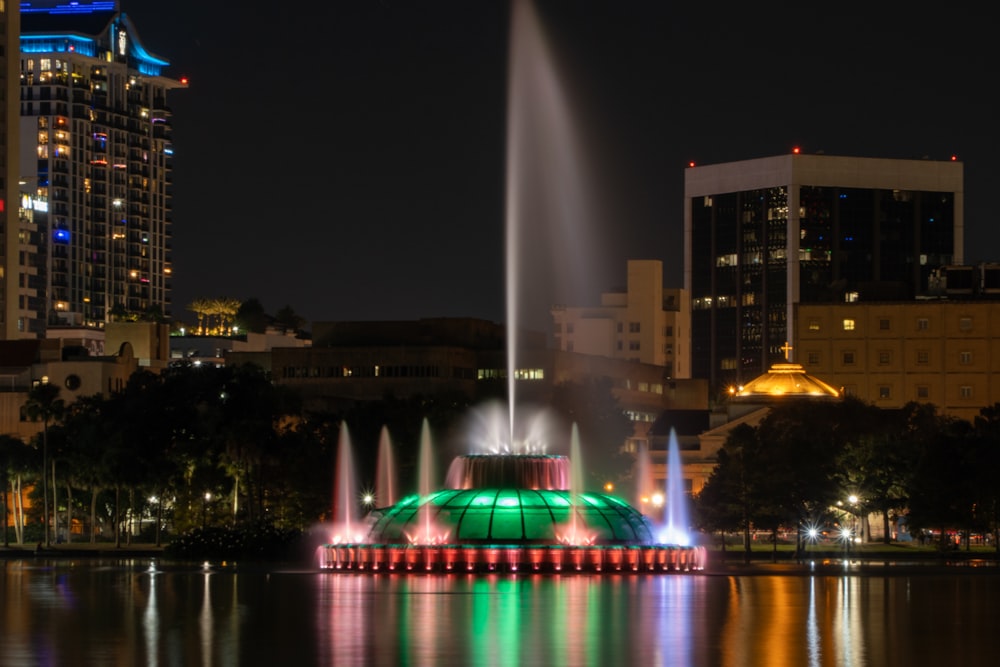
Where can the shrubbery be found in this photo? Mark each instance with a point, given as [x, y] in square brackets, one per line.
[260, 542]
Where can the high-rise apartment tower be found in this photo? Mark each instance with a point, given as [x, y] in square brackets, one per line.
[9, 129]
[763, 235]
[95, 164]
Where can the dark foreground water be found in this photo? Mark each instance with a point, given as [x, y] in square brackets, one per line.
[66, 612]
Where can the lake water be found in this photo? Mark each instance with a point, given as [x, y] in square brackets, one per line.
[91, 612]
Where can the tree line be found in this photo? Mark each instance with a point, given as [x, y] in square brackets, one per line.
[195, 447]
[798, 466]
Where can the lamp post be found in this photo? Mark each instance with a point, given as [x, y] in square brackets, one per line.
[853, 500]
[204, 508]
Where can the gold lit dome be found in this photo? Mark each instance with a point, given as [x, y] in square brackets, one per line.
[784, 381]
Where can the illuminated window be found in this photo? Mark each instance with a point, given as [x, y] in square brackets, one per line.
[813, 324]
[850, 297]
[848, 325]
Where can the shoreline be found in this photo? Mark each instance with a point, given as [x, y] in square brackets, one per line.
[71, 550]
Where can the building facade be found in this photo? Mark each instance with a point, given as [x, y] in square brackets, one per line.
[945, 352]
[643, 323]
[350, 362]
[95, 135]
[764, 235]
[9, 168]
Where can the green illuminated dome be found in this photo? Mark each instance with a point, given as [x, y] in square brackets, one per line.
[511, 499]
[512, 516]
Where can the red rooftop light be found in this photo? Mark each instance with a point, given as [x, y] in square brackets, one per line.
[795, 150]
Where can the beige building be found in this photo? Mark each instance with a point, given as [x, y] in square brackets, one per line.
[24, 363]
[80, 361]
[942, 351]
[643, 323]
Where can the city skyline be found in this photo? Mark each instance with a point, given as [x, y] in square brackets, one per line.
[379, 134]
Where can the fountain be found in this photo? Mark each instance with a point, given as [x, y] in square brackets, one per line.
[385, 476]
[514, 506]
[510, 512]
[677, 524]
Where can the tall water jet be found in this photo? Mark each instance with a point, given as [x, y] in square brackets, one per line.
[385, 471]
[577, 484]
[677, 525]
[518, 508]
[545, 188]
[644, 487]
[345, 491]
[425, 482]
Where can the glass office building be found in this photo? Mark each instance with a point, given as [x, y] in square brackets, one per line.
[763, 235]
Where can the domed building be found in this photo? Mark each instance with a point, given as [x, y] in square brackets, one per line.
[783, 382]
[749, 404]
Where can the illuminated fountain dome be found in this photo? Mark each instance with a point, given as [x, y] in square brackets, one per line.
[511, 513]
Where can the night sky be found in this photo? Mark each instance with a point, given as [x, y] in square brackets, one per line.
[348, 159]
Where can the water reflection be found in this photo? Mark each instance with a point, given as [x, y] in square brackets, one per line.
[87, 613]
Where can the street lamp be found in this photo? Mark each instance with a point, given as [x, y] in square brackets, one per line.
[854, 500]
[204, 508]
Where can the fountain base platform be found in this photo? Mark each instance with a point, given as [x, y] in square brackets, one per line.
[511, 558]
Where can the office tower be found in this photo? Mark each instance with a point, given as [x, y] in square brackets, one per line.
[766, 234]
[96, 148]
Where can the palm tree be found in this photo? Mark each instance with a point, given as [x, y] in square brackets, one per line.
[226, 308]
[200, 307]
[44, 403]
[13, 455]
